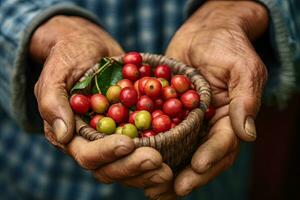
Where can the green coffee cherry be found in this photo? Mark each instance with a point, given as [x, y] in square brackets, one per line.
[143, 120]
[106, 125]
[130, 130]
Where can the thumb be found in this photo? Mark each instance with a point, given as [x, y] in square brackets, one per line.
[245, 90]
[55, 109]
[242, 111]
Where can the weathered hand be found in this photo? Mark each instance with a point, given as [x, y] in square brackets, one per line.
[217, 41]
[68, 46]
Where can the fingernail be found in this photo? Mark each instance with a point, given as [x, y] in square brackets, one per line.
[147, 165]
[122, 150]
[250, 127]
[156, 178]
[59, 129]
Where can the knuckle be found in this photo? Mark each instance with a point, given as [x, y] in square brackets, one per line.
[83, 159]
[152, 196]
[167, 173]
[148, 153]
[250, 73]
[101, 177]
[257, 72]
[120, 140]
[199, 165]
[44, 102]
[60, 46]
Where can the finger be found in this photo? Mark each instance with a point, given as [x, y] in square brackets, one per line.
[188, 179]
[93, 154]
[163, 191]
[53, 104]
[50, 136]
[157, 176]
[221, 141]
[141, 160]
[67, 62]
[245, 90]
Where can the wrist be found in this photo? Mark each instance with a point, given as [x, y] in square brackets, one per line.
[59, 29]
[247, 16]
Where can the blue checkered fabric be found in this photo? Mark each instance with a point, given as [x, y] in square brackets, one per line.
[31, 168]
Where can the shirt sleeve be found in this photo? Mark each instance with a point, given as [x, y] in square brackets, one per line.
[19, 19]
[276, 49]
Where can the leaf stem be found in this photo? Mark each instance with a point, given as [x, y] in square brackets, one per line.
[96, 83]
[103, 66]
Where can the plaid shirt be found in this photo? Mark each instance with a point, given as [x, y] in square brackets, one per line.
[30, 168]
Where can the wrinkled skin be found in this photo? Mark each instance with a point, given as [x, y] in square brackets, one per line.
[217, 41]
[68, 46]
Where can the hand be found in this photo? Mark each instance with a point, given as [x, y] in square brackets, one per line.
[216, 40]
[68, 46]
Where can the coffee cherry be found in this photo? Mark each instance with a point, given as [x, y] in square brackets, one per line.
[136, 87]
[161, 123]
[153, 88]
[142, 83]
[119, 130]
[158, 104]
[133, 58]
[128, 96]
[190, 99]
[163, 82]
[143, 120]
[125, 83]
[157, 113]
[209, 113]
[180, 83]
[80, 103]
[94, 120]
[168, 92]
[106, 125]
[176, 120]
[163, 71]
[172, 107]
[148, 133]
[145, 103]
[131, 72]
[113, 93]
[145, 70]
[132, 116]
[118, 112]
[130, 130]
[99, 103]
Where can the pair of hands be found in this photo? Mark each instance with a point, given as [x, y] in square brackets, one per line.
[216, 40]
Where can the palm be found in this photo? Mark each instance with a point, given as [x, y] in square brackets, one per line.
[219, 62]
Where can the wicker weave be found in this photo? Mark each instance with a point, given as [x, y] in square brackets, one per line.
[178, 144]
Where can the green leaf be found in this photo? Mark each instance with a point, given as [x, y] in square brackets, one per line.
[109, 74]
[82, 84]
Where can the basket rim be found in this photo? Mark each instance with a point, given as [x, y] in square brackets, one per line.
[162, 60]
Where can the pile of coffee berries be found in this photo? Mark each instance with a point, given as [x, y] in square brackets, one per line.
[147, 101]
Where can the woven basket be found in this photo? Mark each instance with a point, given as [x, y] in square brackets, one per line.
[178, 144]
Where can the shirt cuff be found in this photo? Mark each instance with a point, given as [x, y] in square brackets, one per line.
[282, 76]
[26, 73]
